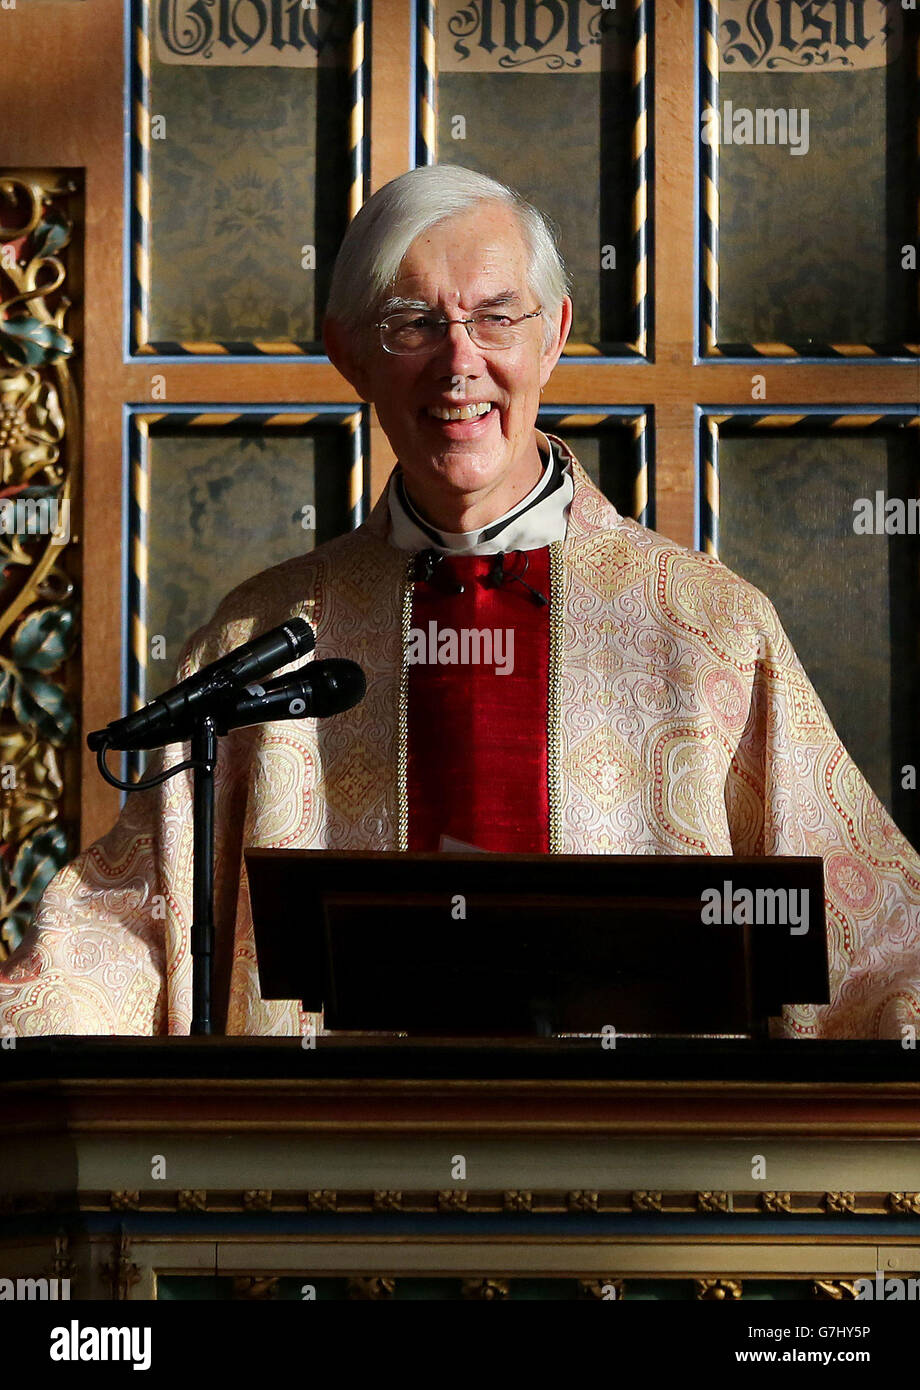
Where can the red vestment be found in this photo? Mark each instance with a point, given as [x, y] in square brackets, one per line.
[477, 769]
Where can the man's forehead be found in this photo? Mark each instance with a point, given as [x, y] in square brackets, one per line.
[476, 254]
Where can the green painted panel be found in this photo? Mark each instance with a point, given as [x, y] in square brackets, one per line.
[225, 506]
[248, 165]
[810, 244]
[849, 602]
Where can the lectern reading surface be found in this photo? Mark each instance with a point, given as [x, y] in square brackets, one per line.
[521, 944]
[493, 945]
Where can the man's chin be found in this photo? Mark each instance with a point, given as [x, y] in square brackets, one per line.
[457, 471]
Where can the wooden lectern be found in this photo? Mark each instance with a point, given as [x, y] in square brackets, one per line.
[252, 1168]
[520, 944]
[699, 1169]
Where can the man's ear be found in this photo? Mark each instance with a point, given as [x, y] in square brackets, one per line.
[551, 355]
[343, 353]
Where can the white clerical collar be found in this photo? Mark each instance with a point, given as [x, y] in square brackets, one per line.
[538, 520]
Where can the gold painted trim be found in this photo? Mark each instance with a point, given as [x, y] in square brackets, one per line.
[658, 1129]
[402, 719]
[419, 1201]
[554, 697]
[760, 1258]
[230, 1239]
[717, 1290]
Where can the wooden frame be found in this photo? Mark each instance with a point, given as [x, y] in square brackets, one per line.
[648, 1175]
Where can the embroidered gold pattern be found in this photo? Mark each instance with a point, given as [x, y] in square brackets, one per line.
[402, 734]
[554, 697]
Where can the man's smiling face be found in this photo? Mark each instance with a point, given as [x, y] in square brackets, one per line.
[463, 473]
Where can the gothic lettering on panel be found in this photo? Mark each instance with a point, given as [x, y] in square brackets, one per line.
[831, 35]
[251, 33]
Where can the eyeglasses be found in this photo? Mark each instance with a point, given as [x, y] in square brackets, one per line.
[414, 331]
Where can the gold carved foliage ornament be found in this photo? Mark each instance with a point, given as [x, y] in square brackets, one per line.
[39, 438]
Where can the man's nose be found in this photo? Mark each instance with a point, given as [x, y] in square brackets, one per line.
[457, 353]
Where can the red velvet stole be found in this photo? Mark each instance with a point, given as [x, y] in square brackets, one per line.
[477, 761]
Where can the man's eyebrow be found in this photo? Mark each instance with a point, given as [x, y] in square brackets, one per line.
[396, 302]
[495, 301]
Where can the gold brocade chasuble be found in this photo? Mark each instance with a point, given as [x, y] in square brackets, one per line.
[679, 721]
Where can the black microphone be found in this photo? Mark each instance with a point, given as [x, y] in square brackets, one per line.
[323, 688]
[425, 564]
[498, 575]
[153, 726]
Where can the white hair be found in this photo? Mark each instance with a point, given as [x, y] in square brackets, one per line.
[378, 238]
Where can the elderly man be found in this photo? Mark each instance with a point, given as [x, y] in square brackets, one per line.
[626, 696]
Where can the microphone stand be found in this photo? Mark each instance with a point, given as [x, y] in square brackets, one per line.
[202, 762]
[204, 759]
[283, 698]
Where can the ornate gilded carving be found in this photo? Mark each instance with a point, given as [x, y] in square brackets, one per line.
[62, 1266]
[581, 1201]
[452, 1200]
[489, 1200]
[838, 1289]
[192, 1199]
[485, 1289]
[387, 1201]
[124, 1201]
[607, 1289]
[646, 1201]
[323, 1200]
[776, 1201]
[906, 1203]
[39, 456]
[257, 1287]
[121, 1273]
[717, 1290]
[839, 1201]
[257, 1199]
[713, 1201]
[375, 1288]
